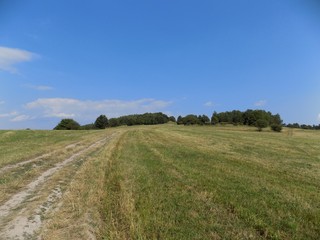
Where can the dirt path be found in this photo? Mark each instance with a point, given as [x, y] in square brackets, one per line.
[19, 217]
[19, 164]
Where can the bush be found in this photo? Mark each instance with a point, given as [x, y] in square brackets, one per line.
[261, 123]
[276, 127]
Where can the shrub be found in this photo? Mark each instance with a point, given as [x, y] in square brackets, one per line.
[261, 123]
[276, 127]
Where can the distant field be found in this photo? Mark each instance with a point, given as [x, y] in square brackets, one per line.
[168, 182]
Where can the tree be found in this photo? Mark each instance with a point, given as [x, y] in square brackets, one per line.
[214, 118]
[114, 122]
[101, 122]
[261, 123]
[67, 124]
[89, 126]
[276, 120]
[190, 120]
[179, 120]
[172, 119]
[203, 119]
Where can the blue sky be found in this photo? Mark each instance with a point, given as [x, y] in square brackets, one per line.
[80, 59]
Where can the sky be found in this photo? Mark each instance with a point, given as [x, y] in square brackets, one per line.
[79, 59]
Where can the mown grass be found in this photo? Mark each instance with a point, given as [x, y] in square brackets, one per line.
[21, 145]
[79, 215]
[24, 145]
[176, 182]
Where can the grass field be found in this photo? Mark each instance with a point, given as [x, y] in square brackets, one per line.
[178, 182]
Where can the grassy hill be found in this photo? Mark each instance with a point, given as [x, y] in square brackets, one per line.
[210, 183]
[190, 182]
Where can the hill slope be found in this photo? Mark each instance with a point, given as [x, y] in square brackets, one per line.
[172, 182]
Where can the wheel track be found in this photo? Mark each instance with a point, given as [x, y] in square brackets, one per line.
[19, 164]
[16, 228]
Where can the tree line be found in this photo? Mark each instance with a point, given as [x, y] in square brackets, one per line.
[258, 118]
[302, 126]
[103, 122]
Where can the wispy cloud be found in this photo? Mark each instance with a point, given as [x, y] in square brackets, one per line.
[2, 102]
[39, 87]
[9, 57]
[89, 110]
[260, 103]
[21, 118]
[10, 114]
[209, 104]
[319, 117]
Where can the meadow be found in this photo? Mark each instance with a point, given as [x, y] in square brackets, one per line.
[177, 182]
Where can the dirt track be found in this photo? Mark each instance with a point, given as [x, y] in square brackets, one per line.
[22, 216]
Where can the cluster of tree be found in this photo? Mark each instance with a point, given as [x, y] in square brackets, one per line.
[193, 119]
[103, 122]
[141, 119]
[303, 126]
[258, 118]
[249, 117]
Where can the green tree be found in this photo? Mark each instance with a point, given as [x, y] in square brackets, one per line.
[179, 120]
[261, 123]
[67, 124]
[215, 118]
[190, 119]
[114, 122]
[89, 126]
[276, 127]
[101, 122]
[203, 119]
[172, 119]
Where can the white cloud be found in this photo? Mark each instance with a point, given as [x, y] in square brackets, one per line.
[21, 118]
[319, 117]
[89, 110]
[11, 56]
[43, 88]
[260, 103]
[209, 104]
[39, 87]
[10, 114]
[2, 102]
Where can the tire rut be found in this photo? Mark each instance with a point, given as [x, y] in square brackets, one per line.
[14, 222]
[19, 164]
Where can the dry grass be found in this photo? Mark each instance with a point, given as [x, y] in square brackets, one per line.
[79, 215]
[15, 178]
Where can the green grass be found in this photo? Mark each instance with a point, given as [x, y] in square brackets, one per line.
[176, 182]
[21, 145]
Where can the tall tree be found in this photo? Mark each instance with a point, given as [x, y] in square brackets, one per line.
[261, 123]
[101, 122]
[67, 124]
[215, 118]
